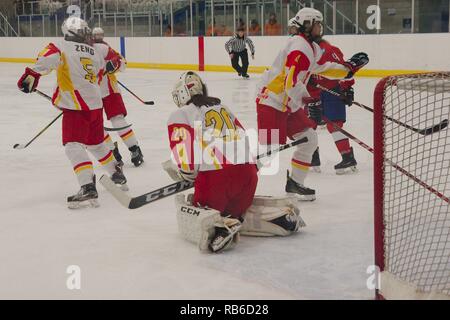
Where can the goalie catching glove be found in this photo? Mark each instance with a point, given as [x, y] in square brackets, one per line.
[29, 81]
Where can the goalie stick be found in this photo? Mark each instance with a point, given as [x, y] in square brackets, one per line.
[134, 95]
[171, 189]
[425, 132]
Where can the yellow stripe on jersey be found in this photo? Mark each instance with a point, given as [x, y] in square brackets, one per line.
[65, 83]
[216, 161]
[183, 157]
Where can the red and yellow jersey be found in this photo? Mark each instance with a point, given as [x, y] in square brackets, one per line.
[207, 138]
[284, 85]
[331, 61]
[109, 84]
[79, 72]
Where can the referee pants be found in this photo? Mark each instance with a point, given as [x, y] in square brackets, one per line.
[235, 61]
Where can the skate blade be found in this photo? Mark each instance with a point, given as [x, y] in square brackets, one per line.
[302, 197]
[91, 203]
[348, 170]
[316, 169]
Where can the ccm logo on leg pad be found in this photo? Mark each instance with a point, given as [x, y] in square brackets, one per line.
[190, 211]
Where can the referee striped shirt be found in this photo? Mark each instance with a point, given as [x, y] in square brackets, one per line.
[237, 44]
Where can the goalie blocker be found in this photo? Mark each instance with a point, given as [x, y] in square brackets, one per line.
[210, 231]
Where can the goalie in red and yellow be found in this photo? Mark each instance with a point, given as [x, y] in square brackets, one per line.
[210, 148]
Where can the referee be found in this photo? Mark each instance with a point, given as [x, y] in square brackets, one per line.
[236, 48]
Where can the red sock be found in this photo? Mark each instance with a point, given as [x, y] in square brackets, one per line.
[343, 146]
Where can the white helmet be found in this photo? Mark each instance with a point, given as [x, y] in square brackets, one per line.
[98, 34]
[308, 16]
[75, 27]
[292, 23]
[186, 87]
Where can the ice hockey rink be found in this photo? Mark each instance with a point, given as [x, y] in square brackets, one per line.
[139, 254]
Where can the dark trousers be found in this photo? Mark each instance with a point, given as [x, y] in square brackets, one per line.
[235, 61]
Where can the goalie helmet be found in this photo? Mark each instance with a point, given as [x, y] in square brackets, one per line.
[76, 29]
[98, 34]
[306, 18]
[189, 85]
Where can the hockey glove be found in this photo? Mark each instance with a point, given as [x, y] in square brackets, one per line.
[356, 62]
[315, 111]
[113, 65]
[29, 81]
[348, 96]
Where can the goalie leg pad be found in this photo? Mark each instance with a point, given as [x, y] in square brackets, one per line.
[206, 227]
[272, 216]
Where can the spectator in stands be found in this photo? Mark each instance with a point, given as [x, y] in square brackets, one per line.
[168, 32]
[224, 31]
[272, 27]
[209, 31]
[255, 29]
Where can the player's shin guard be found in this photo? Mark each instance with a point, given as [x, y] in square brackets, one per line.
[342, 142]
[108, 141]
[301, 159]
[82, 165]
[127, 135]
[104, 156]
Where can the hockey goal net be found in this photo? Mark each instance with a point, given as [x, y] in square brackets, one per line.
[412, 186]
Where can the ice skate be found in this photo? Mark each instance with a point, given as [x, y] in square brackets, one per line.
[119, 179]
[299, 191]
[315, 162]
[117, 155]
[86, 197]
[347, 165]
[136, 155]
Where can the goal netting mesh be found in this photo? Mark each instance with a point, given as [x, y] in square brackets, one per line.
[412, 185]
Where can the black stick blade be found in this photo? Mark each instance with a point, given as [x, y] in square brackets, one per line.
[441, 126]
[149, 103]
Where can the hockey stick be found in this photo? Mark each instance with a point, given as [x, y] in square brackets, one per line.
[134, 95]
[425, 132]
[117, 129]
[23, 146]
[409, 175]
[171, 189]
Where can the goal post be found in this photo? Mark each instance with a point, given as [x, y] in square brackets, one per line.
[412, 186]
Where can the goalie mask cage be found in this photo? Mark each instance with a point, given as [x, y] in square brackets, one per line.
[412, 186]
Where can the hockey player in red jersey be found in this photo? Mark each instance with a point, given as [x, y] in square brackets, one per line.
[112, 100]
[324, 107]
[210, 148]
[281, 98]
[79, 71]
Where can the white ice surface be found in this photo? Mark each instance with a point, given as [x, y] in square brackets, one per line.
[139, 254]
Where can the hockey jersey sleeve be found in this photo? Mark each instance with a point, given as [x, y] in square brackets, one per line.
[181, 139]
[48, 60]
[296, 66]
[331, 61]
